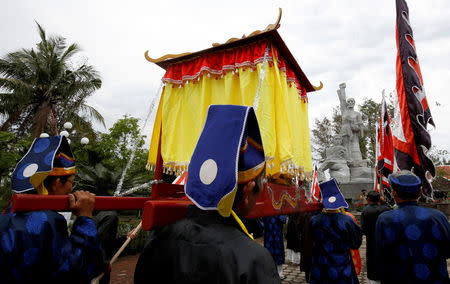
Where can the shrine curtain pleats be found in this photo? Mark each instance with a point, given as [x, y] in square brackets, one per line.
[232, 77]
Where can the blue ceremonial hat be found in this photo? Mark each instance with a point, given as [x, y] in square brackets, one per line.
[331, 195]
[229, 152]
[405, 181]
[46, 156]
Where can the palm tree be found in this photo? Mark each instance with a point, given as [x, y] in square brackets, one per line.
[40, 89]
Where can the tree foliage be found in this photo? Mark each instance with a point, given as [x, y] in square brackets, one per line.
[11, 150]
[323, 132]
[326, 128]
[100, 165]
[40, 88]
[371, 116]
[439, 156]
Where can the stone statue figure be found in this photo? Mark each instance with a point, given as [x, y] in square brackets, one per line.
[352, 125]
[336, 161]
[343, 159]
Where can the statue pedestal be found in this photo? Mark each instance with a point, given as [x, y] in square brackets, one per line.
[352, 190]
[360, 172]
[361, 175]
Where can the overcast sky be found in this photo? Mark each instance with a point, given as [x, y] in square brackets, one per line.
[334, 41]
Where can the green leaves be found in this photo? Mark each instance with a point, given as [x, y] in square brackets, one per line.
[326, 128]
[100, 165]
[11, 150]
[45, 88]
[323, 132]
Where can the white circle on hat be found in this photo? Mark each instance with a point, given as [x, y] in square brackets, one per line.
[332, 199]
[208, 171]
[30, 170]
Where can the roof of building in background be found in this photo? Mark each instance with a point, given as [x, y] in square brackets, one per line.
[442, 180]
[443, 170]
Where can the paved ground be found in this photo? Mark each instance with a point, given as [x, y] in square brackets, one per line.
[123, 269]
[293, 274]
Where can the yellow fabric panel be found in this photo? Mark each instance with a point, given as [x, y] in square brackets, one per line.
[282, 116]
[266, 120]
[185, 109]
[37, 181]
[305, 141]
[225, 205]
[153, 152]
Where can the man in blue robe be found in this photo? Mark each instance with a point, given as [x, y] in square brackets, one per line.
[35, 246]
[274, 240]
[334, 233]
[412, 242]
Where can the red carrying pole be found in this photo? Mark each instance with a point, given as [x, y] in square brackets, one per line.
[36, 202]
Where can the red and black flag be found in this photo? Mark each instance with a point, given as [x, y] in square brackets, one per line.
[385, 146]
[315, 189]
[411, 138]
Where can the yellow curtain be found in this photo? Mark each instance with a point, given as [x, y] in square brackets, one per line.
[282, 117]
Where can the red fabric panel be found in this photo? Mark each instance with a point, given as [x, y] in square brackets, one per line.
[221, 62]
[409, 147]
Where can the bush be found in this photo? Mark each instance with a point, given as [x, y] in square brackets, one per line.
[126, 224]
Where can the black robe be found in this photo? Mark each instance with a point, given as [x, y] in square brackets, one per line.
[369, 218]
[204, 248]
[293, 233]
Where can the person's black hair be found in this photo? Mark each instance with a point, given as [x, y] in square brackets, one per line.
[48, 180]
[240, 191]
[373, 196]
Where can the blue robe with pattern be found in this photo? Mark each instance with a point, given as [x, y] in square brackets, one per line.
[273, 237]
[412, 244]
[334, 234]
[36, 248]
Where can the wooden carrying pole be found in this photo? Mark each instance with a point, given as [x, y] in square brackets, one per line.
[121, 249]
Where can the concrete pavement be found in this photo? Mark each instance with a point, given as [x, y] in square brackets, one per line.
[123, 270]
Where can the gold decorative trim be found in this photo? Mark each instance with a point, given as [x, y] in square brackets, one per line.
[251, 174]
[62, 171]
[277, 23]
[270, 27]
[228, 41]
[286, 197]
[318, 88]
[165, 57]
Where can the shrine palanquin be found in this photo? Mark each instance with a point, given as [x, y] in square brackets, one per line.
[259, 65]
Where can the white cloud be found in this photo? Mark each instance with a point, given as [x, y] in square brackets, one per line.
[334, 41]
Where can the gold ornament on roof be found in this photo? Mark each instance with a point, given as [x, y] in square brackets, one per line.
[270, 27]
